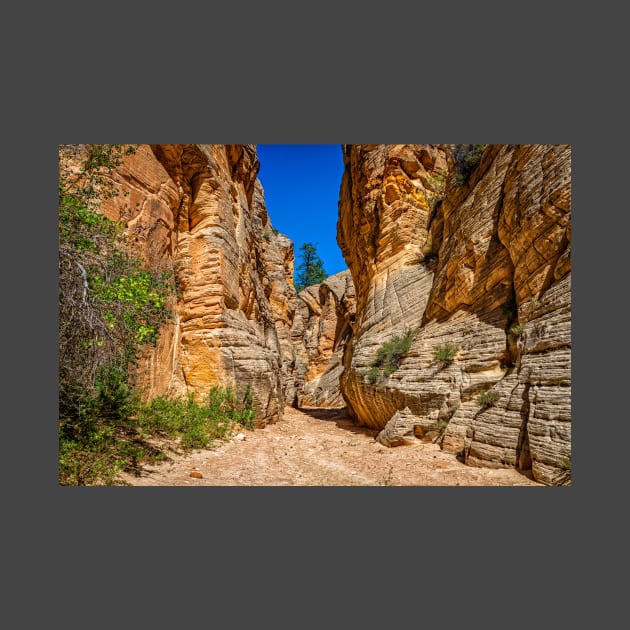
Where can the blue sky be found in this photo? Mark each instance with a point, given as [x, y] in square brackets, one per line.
[301, 183]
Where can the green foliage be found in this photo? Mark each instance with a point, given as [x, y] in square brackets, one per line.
[113, 428]
[488, 399]
[466, 158]
[435, 194]
[445, 353]
[311, 270]
[372, 376]
[110, 305]
[517, 330]
[389, 356]
[563, 478]
[388, 479]
[195, 424]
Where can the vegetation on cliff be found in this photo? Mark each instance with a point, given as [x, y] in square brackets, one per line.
[111, 304]
[389, 356]
[311, 270]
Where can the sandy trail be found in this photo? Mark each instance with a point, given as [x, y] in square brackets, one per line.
[320, 447]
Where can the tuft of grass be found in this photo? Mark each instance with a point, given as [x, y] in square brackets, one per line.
[445, 353]
[389, 356]
[488, 399]
[388, 479]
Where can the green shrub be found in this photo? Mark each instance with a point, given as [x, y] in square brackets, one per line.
[389, 356]
[466, 158]
[435, 192]
[88, 464]
[565, 463]
[198, 424]
[445, 353]
[487, 399]
[517, 330]
[111, 304]
[95, 448]
[372, 375]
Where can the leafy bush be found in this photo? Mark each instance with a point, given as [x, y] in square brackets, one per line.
[197, 425]
[97, 447]
[109, 303]
[487, 399]
[435, 194]
[466, 158]
[445, 353]
[372, 375]
[517, 330]
[389, 356]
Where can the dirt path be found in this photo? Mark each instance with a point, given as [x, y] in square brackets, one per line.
[320, 447]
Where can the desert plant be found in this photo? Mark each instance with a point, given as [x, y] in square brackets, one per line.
[372, 375]
[445, 353]
[387, 479]
[517, 330]
[197, 424]
[563, 478]
[389, 356]
[488, 399]
[466, 158]
[435, 193]
[110, 305]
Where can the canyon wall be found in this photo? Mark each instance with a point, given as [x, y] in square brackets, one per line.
[321, 329]
[479, 263]
[200, 210]
[482, 264]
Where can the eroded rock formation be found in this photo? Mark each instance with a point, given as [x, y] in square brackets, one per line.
[201, 209]
[321, 329]
[486, 270]
[481, 264]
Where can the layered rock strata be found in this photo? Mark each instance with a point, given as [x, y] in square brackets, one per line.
[484, 266]
[200, 209]
[321, 329]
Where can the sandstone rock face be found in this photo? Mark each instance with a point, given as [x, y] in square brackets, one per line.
[403, 428]
[276, 274]
[487, 270]
[321, 329]
[201, 209]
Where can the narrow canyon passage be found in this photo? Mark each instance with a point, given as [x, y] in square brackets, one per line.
[320, 447]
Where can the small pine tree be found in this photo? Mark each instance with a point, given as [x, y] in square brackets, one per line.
[311, 270]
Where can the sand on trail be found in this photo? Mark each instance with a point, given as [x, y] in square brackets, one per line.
[319, 447]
